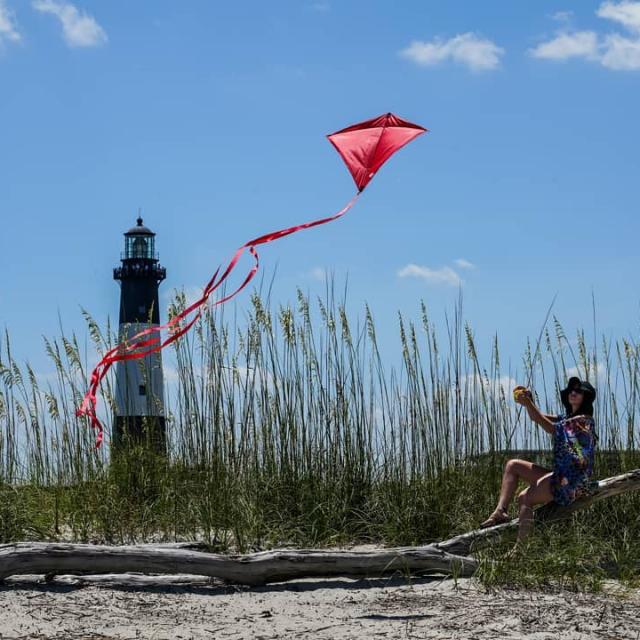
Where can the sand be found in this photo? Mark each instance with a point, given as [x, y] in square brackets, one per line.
[190, 607]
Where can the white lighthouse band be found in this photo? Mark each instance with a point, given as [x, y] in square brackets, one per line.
[139, 383]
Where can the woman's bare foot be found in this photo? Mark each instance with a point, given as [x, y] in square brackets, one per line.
[499, 516]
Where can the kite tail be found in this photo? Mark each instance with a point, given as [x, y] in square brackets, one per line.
[135, 348]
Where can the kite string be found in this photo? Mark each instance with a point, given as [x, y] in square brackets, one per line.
[129, 349]
[533, 363]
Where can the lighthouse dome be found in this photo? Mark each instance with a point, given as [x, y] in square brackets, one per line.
[139, 230]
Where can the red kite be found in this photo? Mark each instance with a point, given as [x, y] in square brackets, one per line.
[364, 147]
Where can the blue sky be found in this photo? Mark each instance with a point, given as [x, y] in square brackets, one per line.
[211, 117]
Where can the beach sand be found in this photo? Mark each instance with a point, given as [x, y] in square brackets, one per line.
[190, 607]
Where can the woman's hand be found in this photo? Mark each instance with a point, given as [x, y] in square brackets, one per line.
[522, 395]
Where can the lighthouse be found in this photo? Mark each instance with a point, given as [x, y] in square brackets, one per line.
[139, 396]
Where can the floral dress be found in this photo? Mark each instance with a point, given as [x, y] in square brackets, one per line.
[574, 441]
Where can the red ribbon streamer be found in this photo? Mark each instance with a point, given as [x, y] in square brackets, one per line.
[130, 349]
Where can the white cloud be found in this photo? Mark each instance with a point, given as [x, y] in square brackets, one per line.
[78, 28]
[621, 53]
[469, 49]
[496, 387]
[443, 275]
[612, 51]
[464, 264]
[318, 273]
[562, 16]
[183, 298]
[581, 44]
[626, 13]
[599, 373]
[190, 293]
[8, 28]
[257, 376]
[170, 373]
[195, 293]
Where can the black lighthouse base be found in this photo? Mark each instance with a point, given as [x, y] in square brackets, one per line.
[146, 431]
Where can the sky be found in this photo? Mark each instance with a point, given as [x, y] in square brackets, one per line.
[211, 118]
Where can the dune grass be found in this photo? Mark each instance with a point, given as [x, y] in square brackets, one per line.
[288, 428]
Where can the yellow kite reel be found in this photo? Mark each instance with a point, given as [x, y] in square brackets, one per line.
[519, 393]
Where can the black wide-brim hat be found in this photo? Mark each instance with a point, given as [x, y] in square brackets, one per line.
[578, 385]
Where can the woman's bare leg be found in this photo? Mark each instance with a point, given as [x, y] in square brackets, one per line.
[513, 471]
[538, 493]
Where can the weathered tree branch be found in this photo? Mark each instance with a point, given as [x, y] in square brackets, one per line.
[252, 569]
[448, 556]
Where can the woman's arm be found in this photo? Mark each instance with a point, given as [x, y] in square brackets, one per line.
[544, 420]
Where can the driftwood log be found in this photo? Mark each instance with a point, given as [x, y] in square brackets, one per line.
[448, 556]
[252, 569]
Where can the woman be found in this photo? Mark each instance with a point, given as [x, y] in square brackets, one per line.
[574, 440]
